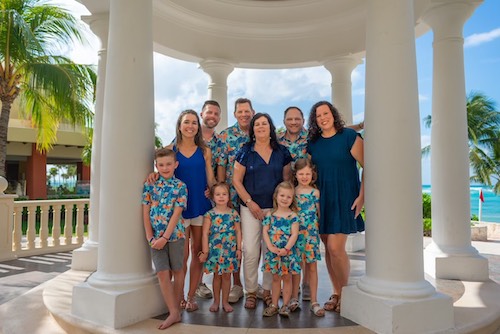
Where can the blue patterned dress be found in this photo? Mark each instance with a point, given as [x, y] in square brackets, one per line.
[222, 243]
[280, 230]
[308, 241]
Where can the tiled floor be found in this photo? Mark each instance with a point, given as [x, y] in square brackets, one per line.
[19, 276]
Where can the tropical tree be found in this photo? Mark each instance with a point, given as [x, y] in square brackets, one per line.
[483, 130]
[51, 88]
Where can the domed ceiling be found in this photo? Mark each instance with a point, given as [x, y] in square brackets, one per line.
[259, 33]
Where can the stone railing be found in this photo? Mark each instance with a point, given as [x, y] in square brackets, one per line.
[64, 216]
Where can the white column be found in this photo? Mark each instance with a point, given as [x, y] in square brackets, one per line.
[393, 296]
[450, 255]
[124, 289]
[218, 70]
[85, 257]
[6, 222]
[341, 70]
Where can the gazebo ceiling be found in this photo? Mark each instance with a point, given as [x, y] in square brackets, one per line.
[259, 33]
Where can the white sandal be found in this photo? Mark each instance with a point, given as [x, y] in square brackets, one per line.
[317, 309]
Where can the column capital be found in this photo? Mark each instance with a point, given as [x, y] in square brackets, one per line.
[99, 24]
[342, 65]
[217, 69]
[447, 17]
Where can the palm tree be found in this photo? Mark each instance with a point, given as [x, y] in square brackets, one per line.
[87, 149]
[51, 88]
[483, 123]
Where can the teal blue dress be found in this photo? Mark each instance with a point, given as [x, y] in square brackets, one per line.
[222, 243]
[338, 182]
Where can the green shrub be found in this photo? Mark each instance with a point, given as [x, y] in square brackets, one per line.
[427, 227]
[426, 205]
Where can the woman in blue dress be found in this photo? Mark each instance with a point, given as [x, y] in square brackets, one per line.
[336, 151]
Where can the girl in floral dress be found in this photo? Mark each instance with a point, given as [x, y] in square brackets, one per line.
[280, 232]
[307, 197]
[221, 245]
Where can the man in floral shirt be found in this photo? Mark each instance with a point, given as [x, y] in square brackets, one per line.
[233, 138]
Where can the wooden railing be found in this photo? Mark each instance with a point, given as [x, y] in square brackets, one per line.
[50, 226]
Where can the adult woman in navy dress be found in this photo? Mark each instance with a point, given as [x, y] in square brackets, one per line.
[336, 151]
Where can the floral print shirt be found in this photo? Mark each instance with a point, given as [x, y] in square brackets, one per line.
[297, 148]
[162, 197]
[233, 138]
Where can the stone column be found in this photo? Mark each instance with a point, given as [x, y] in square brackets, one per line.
[36, 175]
[393, 296]
[450, 255]
[341, 69]
[6, 222]
[218, 70]
[85, 257]
[124, 289]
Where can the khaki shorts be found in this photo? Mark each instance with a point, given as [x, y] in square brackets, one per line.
[171, 257]
[196, 221]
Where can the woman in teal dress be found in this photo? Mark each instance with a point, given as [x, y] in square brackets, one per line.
[336, 151]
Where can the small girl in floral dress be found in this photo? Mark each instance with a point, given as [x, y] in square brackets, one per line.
[307, 197]
[280, 232]
[221, 245]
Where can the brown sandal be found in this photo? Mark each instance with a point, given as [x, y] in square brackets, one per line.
[332, 302]
[251, 300]
[337, 307]
[191, 305]
[268, 299]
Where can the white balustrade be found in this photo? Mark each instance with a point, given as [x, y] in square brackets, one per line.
[69, 212]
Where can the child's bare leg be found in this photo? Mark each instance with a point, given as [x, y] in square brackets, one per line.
[178, 285]
[287, 288]
[276, 289]
[167, 290]
[226, 286]
[216, 287]
[313, 280]
[295, 285]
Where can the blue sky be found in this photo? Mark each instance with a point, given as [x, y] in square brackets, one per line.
[181, 85]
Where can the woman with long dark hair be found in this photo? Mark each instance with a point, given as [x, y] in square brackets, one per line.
[336, 151]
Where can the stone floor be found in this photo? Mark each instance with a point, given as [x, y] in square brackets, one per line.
[22, 282]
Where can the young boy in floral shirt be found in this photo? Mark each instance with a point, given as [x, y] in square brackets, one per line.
[162, 205]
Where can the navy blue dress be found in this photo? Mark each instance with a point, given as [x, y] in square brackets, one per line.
[338, 182]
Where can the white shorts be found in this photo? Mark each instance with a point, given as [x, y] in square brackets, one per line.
[196, 221]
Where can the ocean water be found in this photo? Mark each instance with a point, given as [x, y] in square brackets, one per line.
[491, 204]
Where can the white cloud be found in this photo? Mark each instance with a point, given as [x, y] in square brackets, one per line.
[485, 37]
[422, 97]
[425, 140]
[179, 85]
[270, 87]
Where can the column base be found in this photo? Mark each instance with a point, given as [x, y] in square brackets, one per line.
[85, 257]
[465, 267]
[387, 315]
[117, 309]
[355, 242]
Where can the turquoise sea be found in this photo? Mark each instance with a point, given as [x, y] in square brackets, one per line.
[491, 204]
